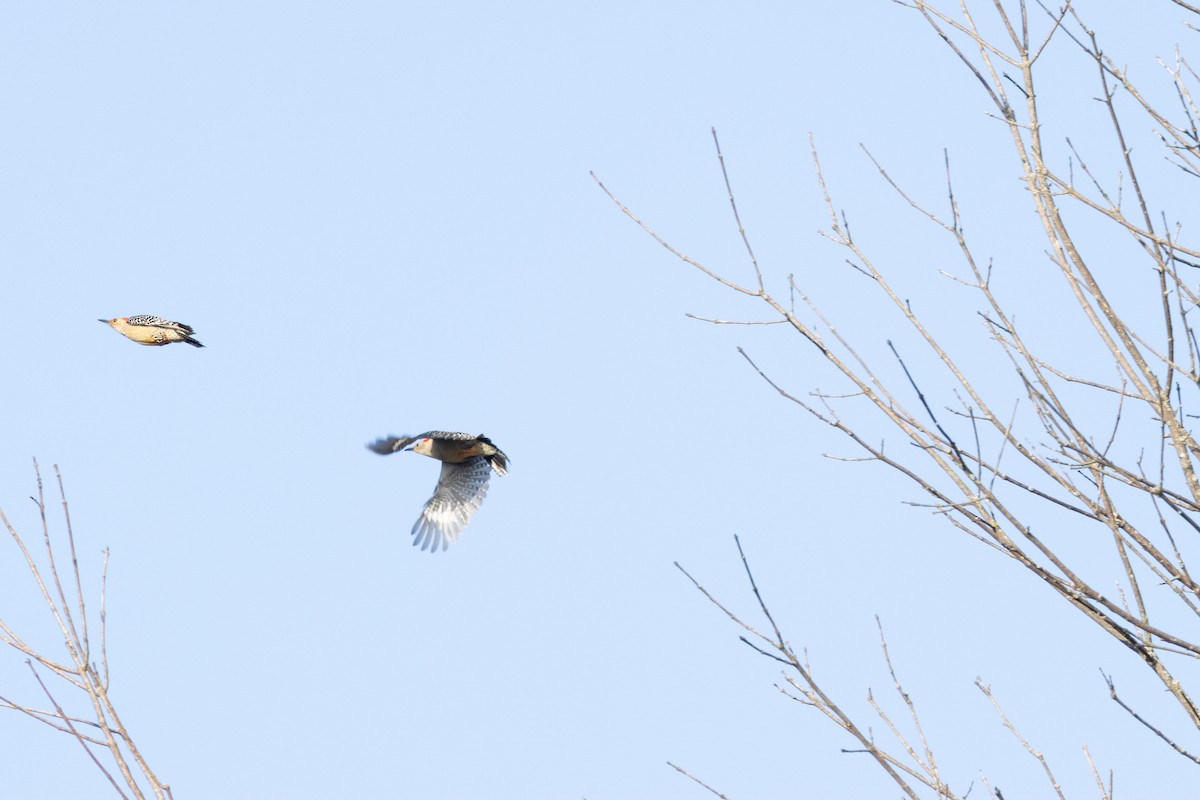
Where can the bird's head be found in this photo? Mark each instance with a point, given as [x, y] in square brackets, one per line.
[422, 446]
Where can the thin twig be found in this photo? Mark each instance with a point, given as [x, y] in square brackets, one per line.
[81, 739]
[685, 773]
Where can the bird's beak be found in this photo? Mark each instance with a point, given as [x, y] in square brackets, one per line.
[102, 320]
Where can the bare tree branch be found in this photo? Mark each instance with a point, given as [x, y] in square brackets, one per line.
[1114, 445]
[70, 616]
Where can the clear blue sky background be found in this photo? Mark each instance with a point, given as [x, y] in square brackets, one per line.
[379, 219]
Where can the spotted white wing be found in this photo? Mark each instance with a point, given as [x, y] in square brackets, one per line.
[460, 490]
[149, 320]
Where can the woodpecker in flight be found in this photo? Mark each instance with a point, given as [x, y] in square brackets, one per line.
[153, 331]
[467, 464]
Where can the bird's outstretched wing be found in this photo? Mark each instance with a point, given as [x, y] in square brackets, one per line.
[391, 444]
[159, 322]
[460, 490]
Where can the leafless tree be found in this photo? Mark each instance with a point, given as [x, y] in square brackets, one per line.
[998, 459]
[98, 730]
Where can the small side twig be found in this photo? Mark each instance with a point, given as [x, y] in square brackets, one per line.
[1112, 692]
[687, 774]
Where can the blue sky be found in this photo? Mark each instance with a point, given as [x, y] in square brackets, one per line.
[379, 219]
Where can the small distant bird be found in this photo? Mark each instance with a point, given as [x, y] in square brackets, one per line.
[154, 331]
[467, 464]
